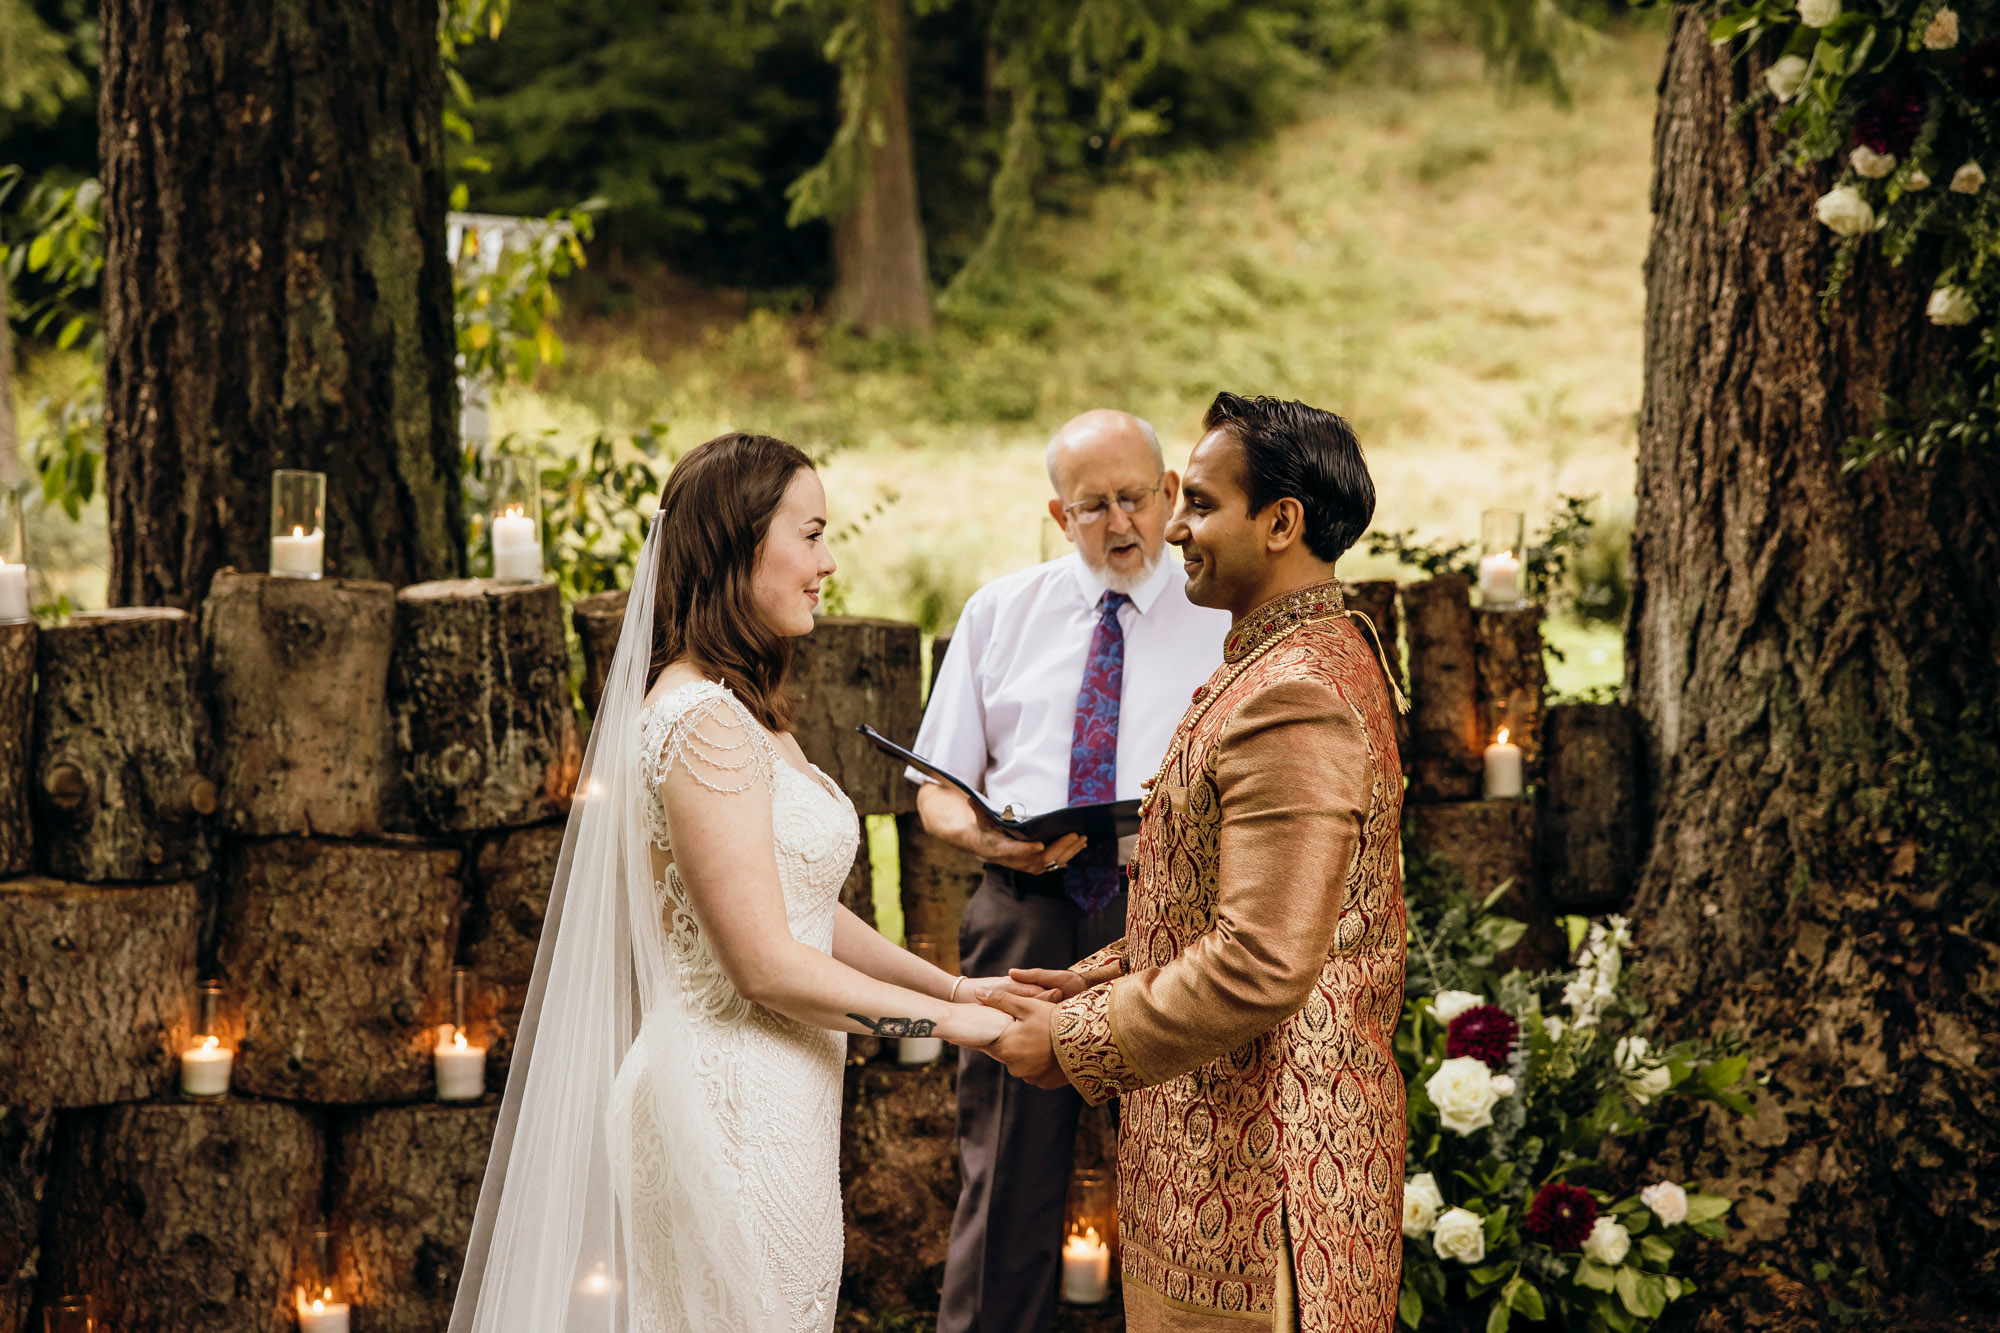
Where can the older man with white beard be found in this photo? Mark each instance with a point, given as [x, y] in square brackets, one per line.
[1062, 686]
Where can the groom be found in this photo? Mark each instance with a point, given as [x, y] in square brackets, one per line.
[1246, 1015]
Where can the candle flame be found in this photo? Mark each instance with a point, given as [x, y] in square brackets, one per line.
[513, 511]
[1089, 1240]
[458, 1040]
[298, 531]
[209, 1043]
[1501, 739]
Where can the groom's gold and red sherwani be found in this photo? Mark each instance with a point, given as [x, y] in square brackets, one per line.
[1246, 1015]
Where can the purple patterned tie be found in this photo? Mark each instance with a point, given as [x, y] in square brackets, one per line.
[1093, 752]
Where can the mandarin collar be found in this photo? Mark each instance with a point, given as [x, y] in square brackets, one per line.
[1281, 615]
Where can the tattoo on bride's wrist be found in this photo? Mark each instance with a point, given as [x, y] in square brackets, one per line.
[896, 1027]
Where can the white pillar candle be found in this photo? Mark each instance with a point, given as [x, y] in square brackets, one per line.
[320, 1315]
[205, 1069]
[517, 549]
[1086, 1269]
[1500, 579]
[461, 1070]
[1503, 767]
[299, 556]
[13, 591]
[919, 1050]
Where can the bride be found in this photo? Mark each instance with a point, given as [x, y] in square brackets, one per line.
[667, 1154]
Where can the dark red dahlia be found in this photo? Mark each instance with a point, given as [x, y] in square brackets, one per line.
[1485, 1032]
[1890, 121]
[1980, 71]
[1561, 1216]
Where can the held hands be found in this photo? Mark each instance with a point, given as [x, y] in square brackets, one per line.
[1026, 1046]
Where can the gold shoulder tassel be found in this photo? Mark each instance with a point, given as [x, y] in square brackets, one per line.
[1395, 691]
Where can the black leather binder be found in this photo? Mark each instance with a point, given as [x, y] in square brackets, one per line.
[1099, 823]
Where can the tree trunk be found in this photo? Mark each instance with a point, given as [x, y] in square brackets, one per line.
[17, 715]
[851, 671]
[1811, 652]
[26, 1138]
[183, 1217]
[1593, 830]
[275, 287]
[10, 440]
[878, 246]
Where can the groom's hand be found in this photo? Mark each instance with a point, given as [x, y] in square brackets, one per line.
[1027, 1047]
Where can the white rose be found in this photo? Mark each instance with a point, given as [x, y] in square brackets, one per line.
[1785, 76]
[1651, 1083]
[1629, 1053]
[1462, 1091]
[1421, 1204]
[1668, 1201]
[1818, 13]
[1844, 211]
[1608, 1243]
[1554, 1027]
[1449, 1004]
[1950, 305]
[1942, 35]
[1968, 179]
[1867, 162]
[1913, 182]
[1503, 1086]
[1459, 1235]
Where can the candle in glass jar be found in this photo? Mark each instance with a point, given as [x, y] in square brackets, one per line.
[322, 1314]
[299, 556]
[919, 1050]
[1503, 767]
[1500, 579]
[13, 591]
[1086, 1269]
[205, 1068]
[517, 548]
[461, 1069]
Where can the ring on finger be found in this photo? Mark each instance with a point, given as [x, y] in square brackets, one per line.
[1051, 867]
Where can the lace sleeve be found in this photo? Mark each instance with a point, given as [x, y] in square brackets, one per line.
[713, 739]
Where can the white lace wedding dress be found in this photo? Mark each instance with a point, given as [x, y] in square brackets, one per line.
[772, 1086]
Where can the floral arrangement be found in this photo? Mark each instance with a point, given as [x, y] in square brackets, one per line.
[1515, 1082]
[1905, 94]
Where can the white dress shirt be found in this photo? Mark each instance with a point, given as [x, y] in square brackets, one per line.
[1002, 713]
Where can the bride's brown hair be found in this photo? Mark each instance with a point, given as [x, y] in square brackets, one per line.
[714, 513]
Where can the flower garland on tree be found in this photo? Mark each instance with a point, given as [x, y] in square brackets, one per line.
[1906, 93]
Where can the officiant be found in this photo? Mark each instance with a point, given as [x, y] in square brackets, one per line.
[1062, 686]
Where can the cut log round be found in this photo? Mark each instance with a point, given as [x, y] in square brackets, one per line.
[938, 880]
[183, 1217]
[899, 1173]
[95, 985]
[119, 737]
[1487, 844]
[1512, 679]
[1593, 837]
[403, 1205]
[17, 713]
[479, 690]
[512, 874]
[1445, 743]
[341, 955]
[26, 1138]
[598, 618]
[851, 671]
[299, 671]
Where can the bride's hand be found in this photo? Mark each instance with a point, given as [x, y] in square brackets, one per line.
[973, 1025]
[974, 990]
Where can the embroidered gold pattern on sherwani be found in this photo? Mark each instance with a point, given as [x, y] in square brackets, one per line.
[1247, 1014]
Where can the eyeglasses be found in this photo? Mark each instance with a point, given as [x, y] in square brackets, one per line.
[1094, 511]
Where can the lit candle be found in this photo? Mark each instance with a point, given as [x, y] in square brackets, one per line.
[205, 1069]
[1503, 767]
[322, 1314]
[517, 548]
[1086, 1269]
[461, 1068]
[13, 591]
[919, 1050]
[1500, 578]
[299, 556]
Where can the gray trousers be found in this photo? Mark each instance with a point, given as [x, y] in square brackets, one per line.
[1014, 1141]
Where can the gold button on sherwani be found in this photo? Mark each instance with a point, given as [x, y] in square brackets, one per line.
[1246, 1016]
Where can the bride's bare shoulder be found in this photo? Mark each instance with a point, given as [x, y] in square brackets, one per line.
[674, 676]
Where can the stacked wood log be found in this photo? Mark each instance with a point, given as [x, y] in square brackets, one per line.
[17, 714]
[1592, 840]
[597, 619]
[1445, 742]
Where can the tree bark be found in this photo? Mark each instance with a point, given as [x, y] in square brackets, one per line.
[1811, 652]
[120, 738]
[26, 1140]
[937, 881]
[94, 986]
[1593, 829]
[1444, 717]
[183, 1217]
[299, 673]
[275, 289]
[598, 618]
[879, 282]
[341, 953]
[17, 714]
[851, 671]
[479, 690]
[512, 875]
[402, 1208]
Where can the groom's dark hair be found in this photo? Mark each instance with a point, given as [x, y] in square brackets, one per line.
[1307, 453]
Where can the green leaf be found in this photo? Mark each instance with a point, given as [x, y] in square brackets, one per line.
[1496, 1321]
[1627, 1283]
[1656, 1251]
[1410, 1308]
[70, 333]
[1528, 1300]
[1578, 929]
[1706, 1207]
[1724, 1074]
[39, 249]
[1590, 1273]
[1652, 1294]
